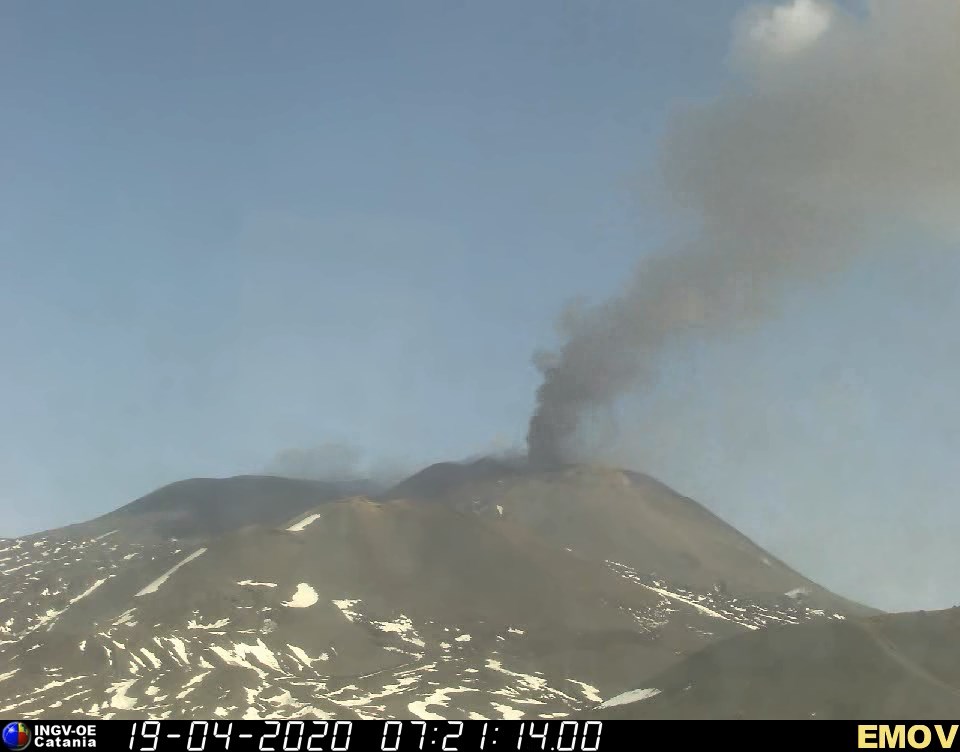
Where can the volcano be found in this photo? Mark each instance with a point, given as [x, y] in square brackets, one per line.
[487, 589]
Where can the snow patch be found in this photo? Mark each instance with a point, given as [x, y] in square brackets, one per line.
[439, 697]
[89, 590]
[153, 658]
[299, 526]
[194, 624]
[634, 695]
[346, 608]
[699, 607]
[507, 713]
[304, 597]
[301, 655]
[261, 652]
[179, 649]
[124, 618]
[402, 627]
[48, 617]
[591, 693]
[528, 680]
[120, 699]
[155, 585]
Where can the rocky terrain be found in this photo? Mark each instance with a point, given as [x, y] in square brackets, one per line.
[482, 590]
[893, 666]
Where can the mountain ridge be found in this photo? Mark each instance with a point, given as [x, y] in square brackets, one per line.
[483, 589]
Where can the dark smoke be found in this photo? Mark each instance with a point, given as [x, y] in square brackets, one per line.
[836, 129]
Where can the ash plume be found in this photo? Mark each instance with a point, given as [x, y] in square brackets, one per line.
[836, 128]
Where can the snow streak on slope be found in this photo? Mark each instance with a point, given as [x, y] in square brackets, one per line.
[42, 579]
[244, 662]
[302, 525]
[634, 695]
[155, 585]
[179, 672]
[716, 605]
[356, 616]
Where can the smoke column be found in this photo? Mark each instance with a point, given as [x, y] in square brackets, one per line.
[835, 128]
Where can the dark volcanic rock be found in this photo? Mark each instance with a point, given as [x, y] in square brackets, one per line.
[891, 666]
[476, 590]
[202, 507]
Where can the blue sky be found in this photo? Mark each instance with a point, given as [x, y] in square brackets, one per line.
[228, 229]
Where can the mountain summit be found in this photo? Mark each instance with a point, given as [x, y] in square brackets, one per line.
[486, 589]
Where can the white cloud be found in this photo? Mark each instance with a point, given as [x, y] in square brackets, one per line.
[784, 29]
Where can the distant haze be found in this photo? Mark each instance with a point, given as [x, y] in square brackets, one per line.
[336, 462]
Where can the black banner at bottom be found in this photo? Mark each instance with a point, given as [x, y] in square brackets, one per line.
[471, 736]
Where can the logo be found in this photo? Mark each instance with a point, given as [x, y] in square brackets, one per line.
[16, 736]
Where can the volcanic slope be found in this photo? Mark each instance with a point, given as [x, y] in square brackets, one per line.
[632, 523]
[202, 507]
[451, 606]
[891, 666]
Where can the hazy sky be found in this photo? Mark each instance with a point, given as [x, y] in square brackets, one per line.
[233, 229]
